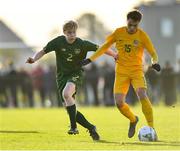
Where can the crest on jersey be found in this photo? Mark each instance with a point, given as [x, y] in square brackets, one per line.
[77, 51]
[63, 49]
[75, 78]
[136, 42]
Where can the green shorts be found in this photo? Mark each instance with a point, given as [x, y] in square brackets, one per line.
[76, 78]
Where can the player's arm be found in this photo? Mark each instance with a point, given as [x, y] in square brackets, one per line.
[104, 48]
[51, 46]
[112, 53]
[152, 51]
[36, 57]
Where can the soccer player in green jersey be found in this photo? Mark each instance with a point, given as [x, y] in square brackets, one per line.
[70, 50]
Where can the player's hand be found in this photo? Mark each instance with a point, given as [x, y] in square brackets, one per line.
[30, 60]
[85, 62]
[156, 67]
[116, 56]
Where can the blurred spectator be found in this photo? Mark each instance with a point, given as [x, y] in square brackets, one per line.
[11, 78]
[38, 82]
[17, 88]
[108, 75]
[178, 78]
[26, 87]
[50, 86]
[168, 84]
[91, 81]
[3, 92]
[153, 82]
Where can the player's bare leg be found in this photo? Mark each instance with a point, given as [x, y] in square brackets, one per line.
[67, 94]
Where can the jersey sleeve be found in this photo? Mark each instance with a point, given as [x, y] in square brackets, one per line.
[111, 38]
[89, 46]
[51, 46]
[109, 41]
[149, 47]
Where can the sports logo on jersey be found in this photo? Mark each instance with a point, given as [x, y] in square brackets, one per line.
[136, 42]
[75, 78]
[63, 49]
[77, 51]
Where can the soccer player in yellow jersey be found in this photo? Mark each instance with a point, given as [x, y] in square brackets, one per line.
[130, 42]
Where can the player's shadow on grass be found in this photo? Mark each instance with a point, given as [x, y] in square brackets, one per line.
[19, 132]
[158, 143]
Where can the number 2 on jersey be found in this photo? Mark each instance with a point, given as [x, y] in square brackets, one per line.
[69, 57]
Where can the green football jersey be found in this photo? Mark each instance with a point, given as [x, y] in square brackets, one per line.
[68, 55]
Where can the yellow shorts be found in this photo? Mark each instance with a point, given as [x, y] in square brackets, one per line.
[127, 76]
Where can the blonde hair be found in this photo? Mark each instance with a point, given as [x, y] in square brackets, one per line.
[70, 25]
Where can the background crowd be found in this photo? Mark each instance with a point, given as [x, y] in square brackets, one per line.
[36, 87]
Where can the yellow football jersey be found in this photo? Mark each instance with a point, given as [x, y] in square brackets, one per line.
[130, 47]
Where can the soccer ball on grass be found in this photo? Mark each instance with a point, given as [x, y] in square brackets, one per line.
[147, 134]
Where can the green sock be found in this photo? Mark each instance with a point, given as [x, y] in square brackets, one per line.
[72, 115]
[83, 121]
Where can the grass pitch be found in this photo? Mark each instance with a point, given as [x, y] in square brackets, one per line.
[40, 129]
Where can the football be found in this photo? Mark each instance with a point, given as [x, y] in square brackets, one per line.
[147, 134]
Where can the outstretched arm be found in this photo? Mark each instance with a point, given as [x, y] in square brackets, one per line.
[104, 48]
[98, 53]
[36, 57]
[112, 53]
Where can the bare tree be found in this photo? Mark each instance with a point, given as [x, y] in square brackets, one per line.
[92, 28]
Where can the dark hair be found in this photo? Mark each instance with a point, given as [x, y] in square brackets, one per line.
[134, 15]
